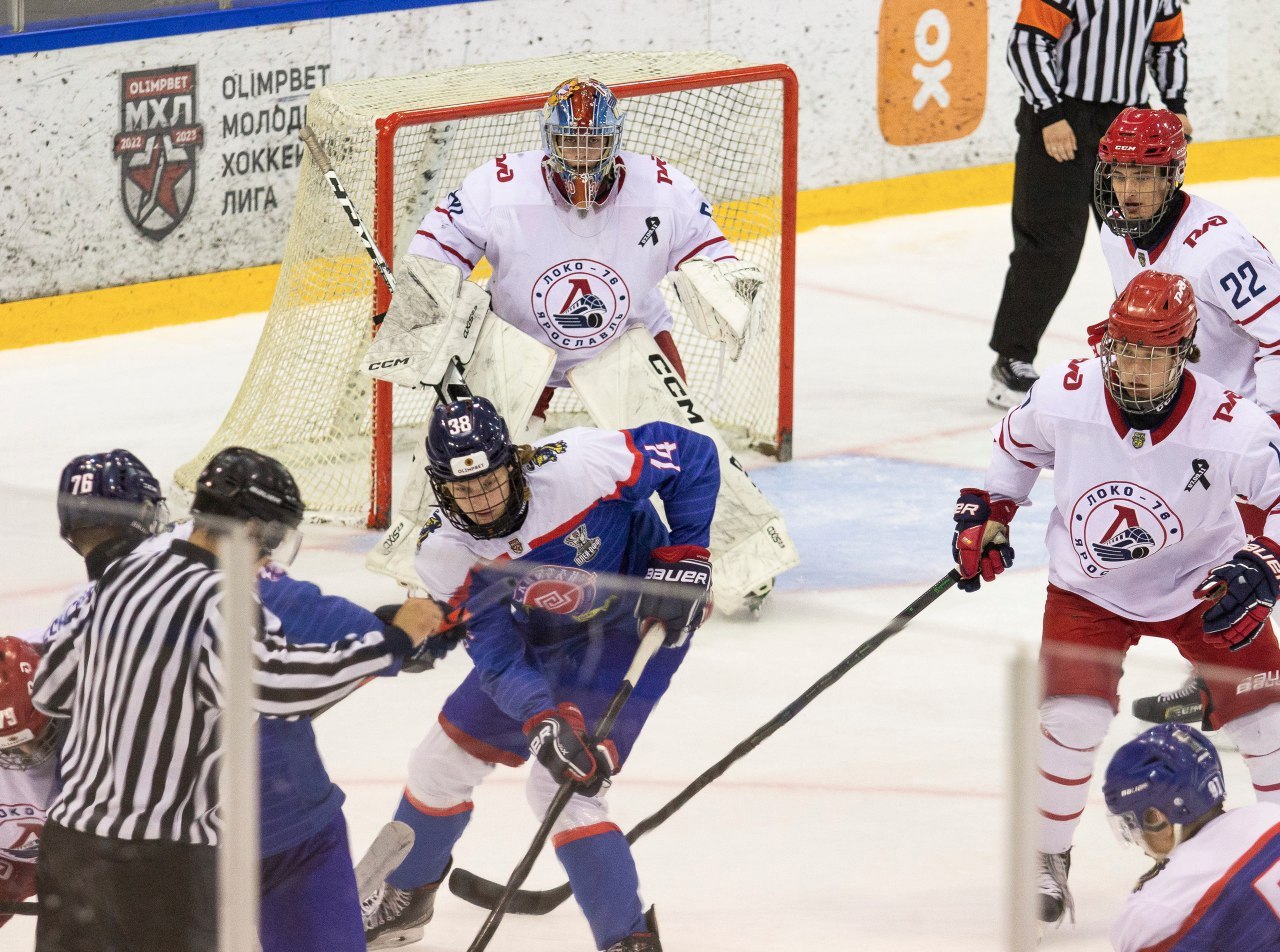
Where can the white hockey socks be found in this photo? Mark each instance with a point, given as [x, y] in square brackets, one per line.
[1071, 730]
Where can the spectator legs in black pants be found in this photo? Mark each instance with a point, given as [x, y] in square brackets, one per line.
[1052, 204]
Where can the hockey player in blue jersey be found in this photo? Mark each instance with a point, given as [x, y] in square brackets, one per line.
[547, 664]
[1216, 883]
[109, 505]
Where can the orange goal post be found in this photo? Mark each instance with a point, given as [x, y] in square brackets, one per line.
[399, 144]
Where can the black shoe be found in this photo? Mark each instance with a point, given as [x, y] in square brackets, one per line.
[395, 917]
[1051, 885]
[1184, 706]
[1010, 381]
[640, 941]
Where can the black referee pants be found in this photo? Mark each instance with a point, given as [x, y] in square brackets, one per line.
[1052, 202]
[106, 895]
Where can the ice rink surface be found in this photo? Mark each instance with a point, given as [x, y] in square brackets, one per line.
[874, 822]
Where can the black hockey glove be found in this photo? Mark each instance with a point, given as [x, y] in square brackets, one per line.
[685, 599]
[434, 647]
[1243, 591]
[558, 738]
[980, 543]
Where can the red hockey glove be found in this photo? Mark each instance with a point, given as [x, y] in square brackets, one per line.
[685, 599]
[1243, 592]
[558, 738]
[980, 544]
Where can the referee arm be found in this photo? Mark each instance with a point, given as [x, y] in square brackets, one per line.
[1167, 60]
[53, 688]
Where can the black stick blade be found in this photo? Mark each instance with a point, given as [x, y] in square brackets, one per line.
[478, 891]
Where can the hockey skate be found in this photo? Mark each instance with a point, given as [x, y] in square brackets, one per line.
[1184, 705]
[1010, 381]
[639, 941]
[395, 917]
[1051, 886]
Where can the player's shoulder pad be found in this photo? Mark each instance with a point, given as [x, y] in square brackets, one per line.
[660, 178]
[1212, 230]
[545, 453]
[1069, 379]
[1226, 407]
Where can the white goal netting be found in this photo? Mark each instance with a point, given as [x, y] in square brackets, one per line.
[399, 144]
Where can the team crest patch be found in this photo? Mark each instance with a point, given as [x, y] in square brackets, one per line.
[1116, 523]
[516, 546]
[157, 146]
[548, 452]
[559, 589]
[580, 303]
[431, 525]
[586, 546]
[1139, 440]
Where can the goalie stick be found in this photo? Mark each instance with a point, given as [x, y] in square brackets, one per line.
[649, 644]
[447, 393]
[482, 892]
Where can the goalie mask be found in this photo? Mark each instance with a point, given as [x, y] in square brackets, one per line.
[247, 486]
[1147, 341]
[110, 489]
[475, 469]
[1141, 162]
[582, 134]
[1170, 768]
[27, 737]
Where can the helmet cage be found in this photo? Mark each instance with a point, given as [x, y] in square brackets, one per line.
[581, 135]
[507, 522]
[27, 749]
[468, 440]
[1140, 378]
[1111, 208]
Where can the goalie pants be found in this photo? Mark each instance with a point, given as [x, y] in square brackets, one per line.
[1082, 656]
[99, 894]
[309, 898]
[473, 735]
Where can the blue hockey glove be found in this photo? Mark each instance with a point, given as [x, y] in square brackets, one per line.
[980, 544]
[685, 599]
[558, 738]
[1242, 591]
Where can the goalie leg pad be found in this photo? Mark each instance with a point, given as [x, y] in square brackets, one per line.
[511, 369]
[631, 383]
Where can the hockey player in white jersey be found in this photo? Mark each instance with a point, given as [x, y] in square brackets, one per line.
[1152, 223]
[1148, 457]
[579, 234]
[1216, 882]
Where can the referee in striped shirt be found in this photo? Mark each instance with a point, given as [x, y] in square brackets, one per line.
[127, 860]
[1079, 63]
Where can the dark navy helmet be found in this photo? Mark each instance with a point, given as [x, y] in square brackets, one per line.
[243, 484]
[109, 489]
[1172, 768]
[466, 441]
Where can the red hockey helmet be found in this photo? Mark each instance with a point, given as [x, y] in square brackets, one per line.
[1132, 200]
[1149, 338]
[27, 737]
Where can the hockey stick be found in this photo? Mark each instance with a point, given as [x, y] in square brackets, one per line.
[325, 164]
[649, 644]
[10, 908]
[482, 892]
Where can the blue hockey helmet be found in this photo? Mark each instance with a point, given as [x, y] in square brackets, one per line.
[242, 485]
[1172, 768]
[109, 489]
[475, 470]
[582, 134]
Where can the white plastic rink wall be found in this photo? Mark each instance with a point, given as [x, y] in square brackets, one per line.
[62, 108]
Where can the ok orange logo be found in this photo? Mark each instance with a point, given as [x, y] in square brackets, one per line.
[932, 83]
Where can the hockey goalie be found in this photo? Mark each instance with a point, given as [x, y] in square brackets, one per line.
[579, 234]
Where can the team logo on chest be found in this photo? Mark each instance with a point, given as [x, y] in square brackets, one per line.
[580, 303]
[1116, 523]
[584, 545]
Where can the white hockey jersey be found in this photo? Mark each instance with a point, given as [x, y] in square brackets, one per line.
[24, 794]
[1237, 286]
[1219, 890]
[1139, 517]
[571, 279]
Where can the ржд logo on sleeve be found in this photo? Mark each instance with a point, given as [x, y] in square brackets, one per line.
[157, 146]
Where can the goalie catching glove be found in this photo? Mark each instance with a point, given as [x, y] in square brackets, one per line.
[980, 544]
[683, 601]
[1244, 591]
[722, 298]
[558, 738]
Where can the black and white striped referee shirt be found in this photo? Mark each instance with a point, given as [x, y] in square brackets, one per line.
[134, 664]
[1098, 51]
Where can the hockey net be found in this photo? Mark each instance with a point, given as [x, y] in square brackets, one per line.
[400, 144]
